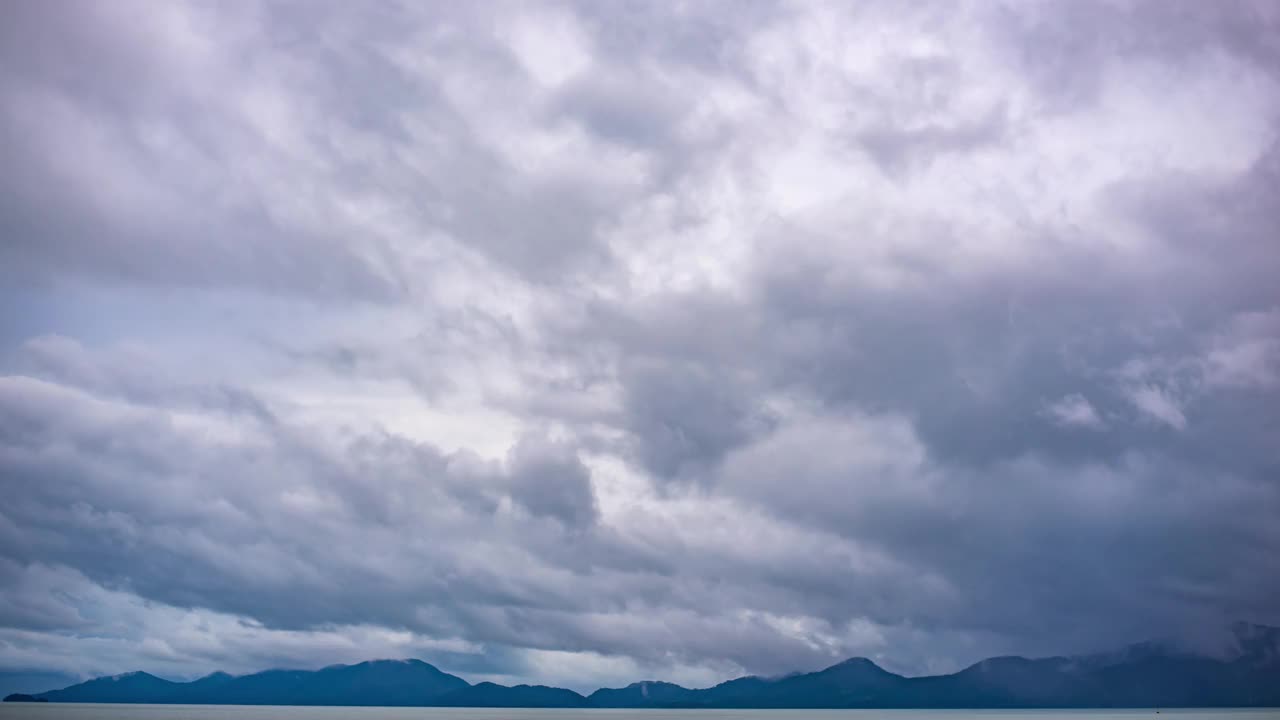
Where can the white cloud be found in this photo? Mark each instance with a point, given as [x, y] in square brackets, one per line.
[1158, 404]
[1074, 410]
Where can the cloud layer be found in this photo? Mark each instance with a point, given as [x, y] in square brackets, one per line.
[576, 344]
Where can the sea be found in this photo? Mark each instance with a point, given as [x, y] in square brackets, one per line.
[95, 711]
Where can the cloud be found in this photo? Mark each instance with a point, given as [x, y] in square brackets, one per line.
[1157, 403]
[1074, 411]
[1247, 353]
[549, 479]
[578, 343]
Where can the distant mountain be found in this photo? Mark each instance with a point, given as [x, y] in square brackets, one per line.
[378, 682]
[132, 687]
[856, 682]
[1246, 674]
[487, 694]
[648, 693]
[1005, 682]
[730, 693]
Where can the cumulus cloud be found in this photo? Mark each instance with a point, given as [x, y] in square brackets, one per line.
[581, 344]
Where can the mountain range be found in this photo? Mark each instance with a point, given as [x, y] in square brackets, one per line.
[1145, 675]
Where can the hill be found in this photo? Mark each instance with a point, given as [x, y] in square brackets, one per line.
[1142, 675]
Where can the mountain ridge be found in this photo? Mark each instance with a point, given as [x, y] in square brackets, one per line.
[1139, 675]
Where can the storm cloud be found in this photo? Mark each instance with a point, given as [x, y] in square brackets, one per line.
[584, 343]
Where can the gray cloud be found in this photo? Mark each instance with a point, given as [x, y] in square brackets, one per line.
[576, 344]
[549, 480]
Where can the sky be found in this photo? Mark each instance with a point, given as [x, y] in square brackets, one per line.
[584, 343]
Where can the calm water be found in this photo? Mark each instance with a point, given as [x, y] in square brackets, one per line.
[76, 711]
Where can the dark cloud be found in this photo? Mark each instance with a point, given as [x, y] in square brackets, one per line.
[576, 343]
[686, 416]
[549, 480]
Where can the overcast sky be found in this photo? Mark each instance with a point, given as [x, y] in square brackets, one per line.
[587, 343]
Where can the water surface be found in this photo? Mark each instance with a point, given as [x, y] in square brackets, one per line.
[94, 711]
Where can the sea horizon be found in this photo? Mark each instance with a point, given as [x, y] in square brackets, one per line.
[132, 711]
[149, 711]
